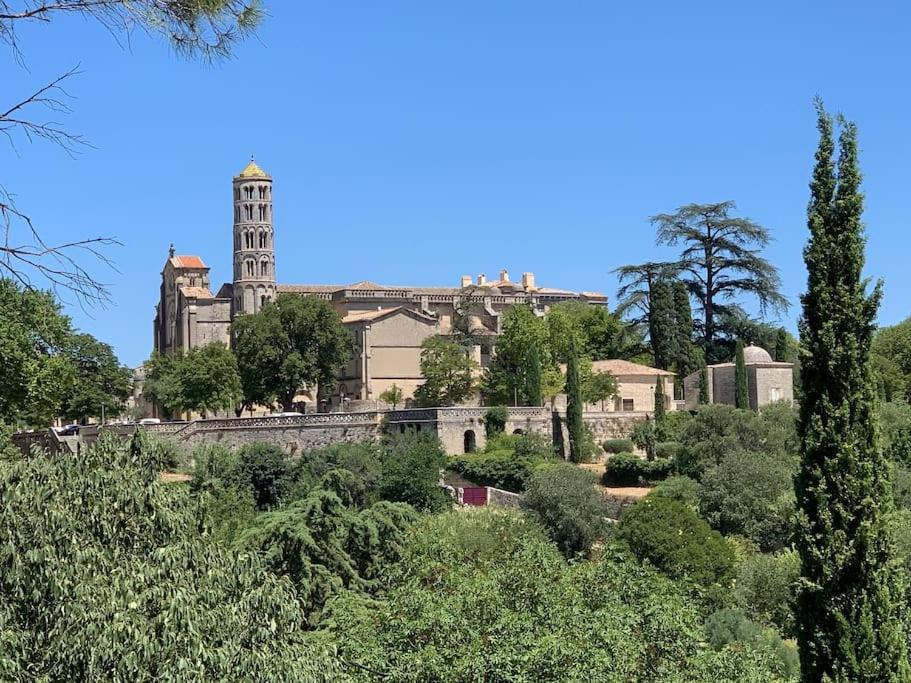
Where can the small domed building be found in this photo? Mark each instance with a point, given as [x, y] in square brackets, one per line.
[768, 381]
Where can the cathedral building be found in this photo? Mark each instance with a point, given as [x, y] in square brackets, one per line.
[388, 323]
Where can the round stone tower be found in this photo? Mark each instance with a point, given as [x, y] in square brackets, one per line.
[254, 245]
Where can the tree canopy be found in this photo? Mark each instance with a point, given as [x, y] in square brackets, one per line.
[202, 380]
[448, 372]
[291, 343]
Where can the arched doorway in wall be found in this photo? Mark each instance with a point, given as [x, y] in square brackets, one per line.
[517, 431]
[470, 441]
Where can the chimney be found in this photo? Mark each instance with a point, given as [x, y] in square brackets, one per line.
[528, 281]
[465, 282]
[482, 279]
[504, 275]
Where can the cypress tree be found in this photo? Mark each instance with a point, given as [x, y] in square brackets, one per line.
[703, 385]
[662, 325]
[781, 345]
[687, 360]
[574, 424]
[848, 611]
[660, 409]
[741, 394]
[533, 393]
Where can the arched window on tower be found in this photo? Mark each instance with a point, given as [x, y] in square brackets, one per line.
[262, 240]
[250, 268]
[264, 268]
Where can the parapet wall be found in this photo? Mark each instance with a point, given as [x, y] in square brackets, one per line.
[459, 428]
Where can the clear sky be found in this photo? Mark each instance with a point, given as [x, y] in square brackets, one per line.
[414, 141]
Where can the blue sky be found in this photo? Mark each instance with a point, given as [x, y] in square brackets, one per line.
[412, 142]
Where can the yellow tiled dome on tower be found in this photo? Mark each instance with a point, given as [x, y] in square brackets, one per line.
[251, 170]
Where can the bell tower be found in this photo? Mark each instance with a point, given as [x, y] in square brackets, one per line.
[254, 246]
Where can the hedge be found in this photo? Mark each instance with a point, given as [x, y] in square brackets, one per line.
[618, 446]
[627, 469]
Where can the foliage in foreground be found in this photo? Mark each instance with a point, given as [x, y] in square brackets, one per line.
[481, 595]
[107, 573]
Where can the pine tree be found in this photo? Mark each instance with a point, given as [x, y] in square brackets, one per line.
[574, 424]
[533, 394]
[781, 345]
[849, 609]
[741, 393]
[703, 385]
[662, 325]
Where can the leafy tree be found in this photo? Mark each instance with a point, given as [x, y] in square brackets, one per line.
[412, 467]
[496, 566]
[290, 343]
[751, 494]
[448, 373]
[849, 615]
[495, 420]
[676, 541]
[35, 374]
[204, 379]
[505, 380]
[662, 325]
[891, 355]
[208, 28]
[741, 393]
[598, 387]
[599, 334]
[574, 424]
[732, 627]
[101, 383]
[766, 588]
[721, 262]
[533, 390]
[564, 500]
[393, 396]
[119, 579]
[262, 468]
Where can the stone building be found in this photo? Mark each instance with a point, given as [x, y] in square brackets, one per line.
[388, 322]
[768, 381]
[635, 387]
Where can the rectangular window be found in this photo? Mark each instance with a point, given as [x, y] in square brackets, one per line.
[628, 405]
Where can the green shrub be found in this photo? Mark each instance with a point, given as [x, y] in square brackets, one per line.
[682, 489]
[564, 500]
[412, 464]
[534, 446]
[732, 627]
[500, 469]
[627, 469]
[618, 446]
[676, 541]
[667, 449]
[264, 468]
[495, 420]
[766, 587]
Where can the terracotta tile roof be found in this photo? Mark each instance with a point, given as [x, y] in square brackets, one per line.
[187, 262]
[370, 316]
[196, 292]
[304, 289]
[365, 284]
[625, 368]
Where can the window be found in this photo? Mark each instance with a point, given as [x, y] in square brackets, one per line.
[628, 405]
[262, 240]
[250, 268]
[264, 268]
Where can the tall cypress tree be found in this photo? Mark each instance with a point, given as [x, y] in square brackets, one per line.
[533, 393]
[781, 345]
[703, 385]
[660, 409]
[574, 424]
[687, 359]
[662, 325]
[741, 394]
[849, 607]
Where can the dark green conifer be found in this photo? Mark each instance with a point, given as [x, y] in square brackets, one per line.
[574, 424]
[852, 595]
[703, 385]
[781, 345]
[741, 393]
[662, 325]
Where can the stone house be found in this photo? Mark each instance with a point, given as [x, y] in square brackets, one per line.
[635, 387]
[768, 381]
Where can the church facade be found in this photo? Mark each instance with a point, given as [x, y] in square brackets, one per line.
[388, 323]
